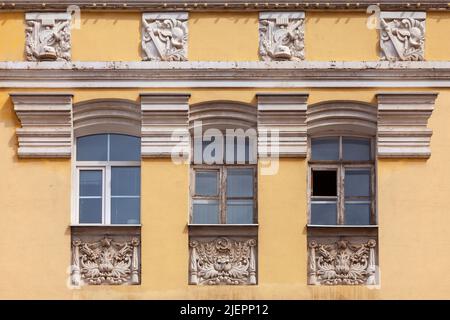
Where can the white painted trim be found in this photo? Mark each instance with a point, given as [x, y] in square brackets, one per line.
[48, 16]
[165, 15]
[402, 14]
[286, 15]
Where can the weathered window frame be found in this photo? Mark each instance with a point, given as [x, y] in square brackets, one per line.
[340, 166]
[222, 189]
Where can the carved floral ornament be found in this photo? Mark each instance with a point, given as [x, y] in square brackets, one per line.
[105, 261]
[222, 261]
[281, 36]
[342, 262]
[47, 36]
[402, 36]
[164, 36]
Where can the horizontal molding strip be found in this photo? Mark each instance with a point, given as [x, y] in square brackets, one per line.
[214, 5]
[224, 74]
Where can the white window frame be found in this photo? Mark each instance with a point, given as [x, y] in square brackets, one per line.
[105, 166]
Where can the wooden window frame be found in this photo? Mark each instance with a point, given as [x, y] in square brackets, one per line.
[221, 197]
[106, 168]
[341, 166]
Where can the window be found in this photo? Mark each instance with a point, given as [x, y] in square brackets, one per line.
[109, 179]
[342, 181]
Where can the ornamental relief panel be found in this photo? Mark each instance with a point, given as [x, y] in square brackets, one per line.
[281, 36]
[164, 36]
[105, 260]
[342, 261]
[402, 36]
[222, 261]
[47, 36]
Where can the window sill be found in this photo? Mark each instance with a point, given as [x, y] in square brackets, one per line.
[342, 230]
[105, 225]
[223, 229]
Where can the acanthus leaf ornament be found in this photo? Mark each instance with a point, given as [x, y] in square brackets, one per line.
[222, 261]
[402, 36]
[342, 262]
[164, 36]
[105, 261]
[281, 36]
[47, 36]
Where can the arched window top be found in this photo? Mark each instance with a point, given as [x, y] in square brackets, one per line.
[223, 115]
[342, 117]
[107, 116]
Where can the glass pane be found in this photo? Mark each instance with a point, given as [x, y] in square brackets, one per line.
[125, 210]
[205, 213]
[90, 210]
[90, 183]
[125, 181]
[324, 183]
[323, 213]
[357, 213]
[206, 183]
[325, 149]
[240, 183]
[92, 148]
[240, 211]
[357, 183]
[124, 148]
[356, 149]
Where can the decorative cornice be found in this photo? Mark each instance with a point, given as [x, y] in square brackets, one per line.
[222, 5]
[46, 125]
[282, 124]
[224, 74]
[165, 125]
[402, 124]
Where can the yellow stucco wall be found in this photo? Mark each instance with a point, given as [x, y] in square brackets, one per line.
[414, 222]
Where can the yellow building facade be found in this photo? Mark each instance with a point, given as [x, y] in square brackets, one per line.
[334, 72]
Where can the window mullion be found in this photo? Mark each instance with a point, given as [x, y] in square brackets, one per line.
[341, 194]
[107, 200]
[223, 195]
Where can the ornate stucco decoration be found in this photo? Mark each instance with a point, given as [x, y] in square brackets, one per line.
[46, 124]
[105, 261]
[342, 262]
[281, 36]
[282, 125]
[164, 36]
[222, 261]
[402, 124]
[47, 36]
[402, 36]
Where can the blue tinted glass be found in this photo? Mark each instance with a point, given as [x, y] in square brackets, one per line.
[356, 149]
[323, 213]
[125, 181]
[240, 183]
[205, 212]
[90, 183]
[125, 210]
[325, 149]
[124, 148]
[92, 148]
[90, 210]
[206, 183]
[240, 211]
[357, 183]
[357, 213]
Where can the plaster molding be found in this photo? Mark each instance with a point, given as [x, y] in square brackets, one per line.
[46, 124]
[338, 117]
[105, 256]
[47, 36]
[165, 36]
[165, 125]
[402, 36]
[223, 261]
[282, 124]
[402, 124]
[214, 5]
[342, 261]
[224, 74]
[106, 116]
[281, 36]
